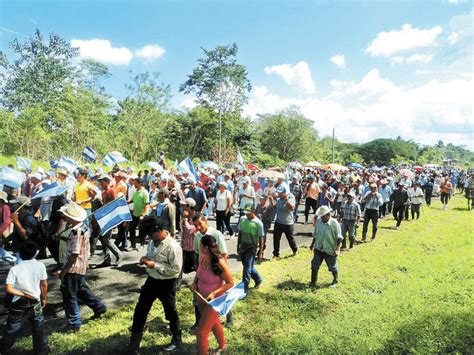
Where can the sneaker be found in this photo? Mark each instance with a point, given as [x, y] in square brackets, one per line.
[219, 351]
[295, 253]
[99, 314]
[397, 228]
[333, 285]
[257, 285]
[275, 258]
[118, 260]
[174, 345]
[103, 264]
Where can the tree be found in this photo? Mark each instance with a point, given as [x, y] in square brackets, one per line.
[92, 75]
[219, 83]
[40, 73]
[287, 134]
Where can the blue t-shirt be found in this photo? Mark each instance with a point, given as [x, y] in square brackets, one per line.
[199, 196]
[283, 214]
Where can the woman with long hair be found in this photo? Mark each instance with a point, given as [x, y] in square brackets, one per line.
[213, 278]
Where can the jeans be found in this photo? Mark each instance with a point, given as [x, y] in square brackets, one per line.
[121, 240]
[223, 219]
[370, 215]
[75, 289]
[165, 291]
[398, 212]
[266, 227]
[415, 210]
[348, 226]
[132, 229]
[319, 256]
[428, 195]
[248, 261]
[295, 211]
[383, 210]
[278, 230]
[444, 197]
[20, 311]
[308, 204]
[108, 246]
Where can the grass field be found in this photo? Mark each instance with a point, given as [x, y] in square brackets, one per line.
[407, 291]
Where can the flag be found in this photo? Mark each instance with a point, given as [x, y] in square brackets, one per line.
[89, 154]
[67, 163]
[112, 214]
[176, 163]
[186, 166]
[113, 158]
[10, 177]
[23, 163]
[52, 190]
[156, 166]
[240, 159]
[53, 163]
[223, 304]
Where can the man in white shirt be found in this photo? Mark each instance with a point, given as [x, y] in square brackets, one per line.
[246, 195]
[163, 262]
[27, 283]
[415, 195]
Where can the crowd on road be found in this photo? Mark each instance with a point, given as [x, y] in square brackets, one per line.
[170, 222]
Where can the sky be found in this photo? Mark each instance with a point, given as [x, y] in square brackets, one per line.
[368, 69]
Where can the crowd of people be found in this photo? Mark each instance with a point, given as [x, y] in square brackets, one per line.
[170, 222]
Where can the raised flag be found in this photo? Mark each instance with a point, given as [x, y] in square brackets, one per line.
[223, 304]
[156, 166]
[23, 163]
[89, 154]
[186, 166]
[113, 158]
[240, 158]
[52, 190]
[112, 214]
[67, 163]
[11, 177]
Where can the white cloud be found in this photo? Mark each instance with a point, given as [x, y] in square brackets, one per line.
[457, 2]
[298, 75]
[419, 58]
[423, 113]
[453, 38]
[408, 38]
[370, 85]
[397, 60]
[189, 103]
[339, 60]
[150, 52]
[102, 51]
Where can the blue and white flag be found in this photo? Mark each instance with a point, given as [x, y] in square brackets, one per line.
[52, 190]
[223, 304]
[89, 154]
[11, 178]
[53, 163]
[113, 158]
[67, 163]
[23, 163]
[112, 214]
[186, 166]
[156, 166]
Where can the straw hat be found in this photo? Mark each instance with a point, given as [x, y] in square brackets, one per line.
[74, 211]
[323, 210]
[4, 196]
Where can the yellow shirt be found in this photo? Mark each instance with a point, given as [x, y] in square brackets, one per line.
[82, 193]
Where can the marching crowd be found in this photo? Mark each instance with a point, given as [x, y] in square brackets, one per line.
[170, 222]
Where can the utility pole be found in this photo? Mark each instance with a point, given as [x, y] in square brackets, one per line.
[220, 137]
[333, 132]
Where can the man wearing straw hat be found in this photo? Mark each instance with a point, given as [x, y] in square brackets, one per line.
[326, 244]
[73, 283]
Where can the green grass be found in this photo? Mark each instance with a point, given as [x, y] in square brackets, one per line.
[407, 291]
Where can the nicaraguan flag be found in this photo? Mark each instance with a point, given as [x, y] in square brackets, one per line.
[52, 190]
[89, 154]
[113, 158]
[67, 163]
[240, 158]
[223, 304]
[112, 214]
[186, 166]
[23, 163]
[156, 166]
[11, 178]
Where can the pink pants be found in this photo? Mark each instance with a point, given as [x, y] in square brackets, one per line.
[209, 321]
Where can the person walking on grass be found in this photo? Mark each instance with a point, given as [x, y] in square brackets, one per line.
[284, 221]
[163, 261]
[373, 201]
[350, 215]
[326, 245]
[74, 287]
[250, 240]
[416, 197]
[400, 199]
[445, 188]
[27, 286]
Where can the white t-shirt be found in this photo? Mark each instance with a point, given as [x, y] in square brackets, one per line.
[245, 200]
[221, 198]
[26, 277]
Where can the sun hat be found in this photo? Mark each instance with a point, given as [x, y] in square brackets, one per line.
[323, 210]
[222, 183]
[189, 201]
[104, 177]
[74, 211]
[62, 171]
[373, 185]
[351, 194]
[4, 196]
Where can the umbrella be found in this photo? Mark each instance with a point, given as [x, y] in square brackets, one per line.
[355, 165]
[313, 164]
[252, 167]
[271, 174]
[295, 165]
[375, 168]
[418, 168]
[406, 172]
[335, 167]
[209, 165]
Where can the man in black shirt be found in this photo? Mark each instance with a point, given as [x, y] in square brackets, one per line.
[400, 200]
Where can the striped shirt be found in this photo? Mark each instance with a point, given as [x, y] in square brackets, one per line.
[188, 231]
[350, 211]
[78, 244]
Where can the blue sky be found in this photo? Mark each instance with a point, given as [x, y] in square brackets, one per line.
[398, 67]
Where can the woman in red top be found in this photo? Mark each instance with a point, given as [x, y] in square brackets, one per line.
[213, 278]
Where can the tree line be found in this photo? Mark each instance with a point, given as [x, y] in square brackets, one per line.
[52, 104]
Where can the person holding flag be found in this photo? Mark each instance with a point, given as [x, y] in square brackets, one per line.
[213, 278]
